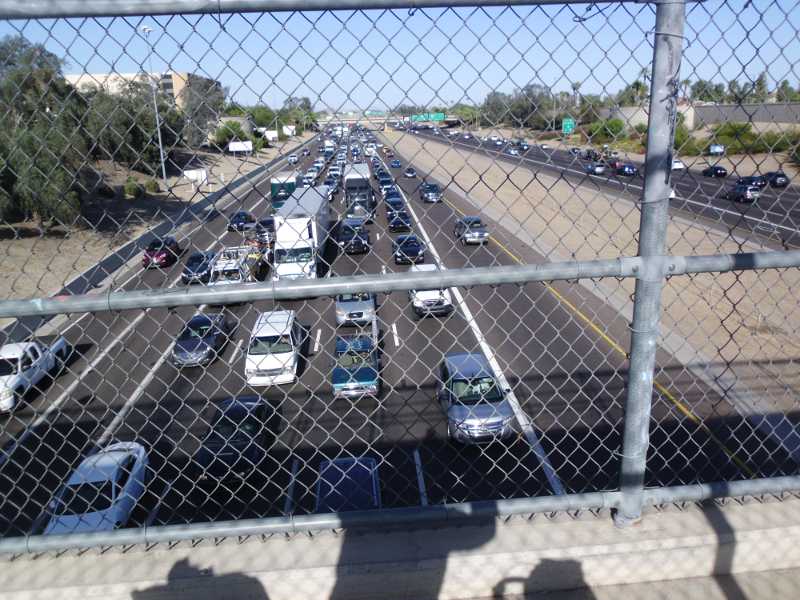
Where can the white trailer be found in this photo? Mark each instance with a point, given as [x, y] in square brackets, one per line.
[302, 226]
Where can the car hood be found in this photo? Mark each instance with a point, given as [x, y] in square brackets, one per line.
[193, 345]
[362, 374]
[483, 413]
[293, 270]
[268, 362]
[95, 521]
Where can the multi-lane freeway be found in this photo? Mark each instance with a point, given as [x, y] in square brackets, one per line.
[560, 349]
[774, 217]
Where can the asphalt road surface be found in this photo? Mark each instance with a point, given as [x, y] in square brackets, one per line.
[567, 380]
[775, 216]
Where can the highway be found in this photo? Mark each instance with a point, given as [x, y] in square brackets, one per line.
[557, 346]
[774, 217]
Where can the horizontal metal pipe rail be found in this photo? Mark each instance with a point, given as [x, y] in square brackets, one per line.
[41, 9]
[648, 267]
[420, 515]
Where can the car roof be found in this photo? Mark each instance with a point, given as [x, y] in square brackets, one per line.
[468, 365]
[238, 406]
[276, 322]
[407, 238]
[204, 319]
[102, 466]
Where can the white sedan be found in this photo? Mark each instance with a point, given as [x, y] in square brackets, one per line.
[292, 160]
[102, 492]
[677, 165]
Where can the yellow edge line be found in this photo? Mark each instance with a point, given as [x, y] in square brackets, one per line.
[616, 346]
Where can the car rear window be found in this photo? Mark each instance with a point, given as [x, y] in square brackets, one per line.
[86, 497]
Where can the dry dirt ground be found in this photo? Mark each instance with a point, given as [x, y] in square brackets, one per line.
[749, 317]
[32, 265]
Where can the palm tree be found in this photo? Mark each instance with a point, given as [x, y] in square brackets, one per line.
[576, 96]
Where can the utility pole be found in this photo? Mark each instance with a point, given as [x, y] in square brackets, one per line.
[153, 84]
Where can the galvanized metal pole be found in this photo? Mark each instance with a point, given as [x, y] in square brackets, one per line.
[667, 46]
[146, 30]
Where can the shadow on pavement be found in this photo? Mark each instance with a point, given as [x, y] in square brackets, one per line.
[547, 577]
[186, 582]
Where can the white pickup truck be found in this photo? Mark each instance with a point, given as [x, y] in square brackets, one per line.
[23, 365]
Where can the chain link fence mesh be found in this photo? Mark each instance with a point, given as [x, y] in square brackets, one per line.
[132, 137]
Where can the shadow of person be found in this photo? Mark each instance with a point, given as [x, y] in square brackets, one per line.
[187, 582]
[553, 579]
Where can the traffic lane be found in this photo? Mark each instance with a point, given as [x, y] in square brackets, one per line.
[601, 376]
[722, 214]
[79, 428]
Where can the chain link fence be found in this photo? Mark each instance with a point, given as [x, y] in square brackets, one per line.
[335, 265]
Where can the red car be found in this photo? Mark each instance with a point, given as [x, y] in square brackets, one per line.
[161, 253]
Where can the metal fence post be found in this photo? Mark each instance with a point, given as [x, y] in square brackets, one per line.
[667, 46]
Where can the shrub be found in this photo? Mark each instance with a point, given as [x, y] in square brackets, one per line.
[606, 130]
[132, 188]
[152, 187]
[641, 128]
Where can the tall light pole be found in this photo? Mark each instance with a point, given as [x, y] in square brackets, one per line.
[146, 31]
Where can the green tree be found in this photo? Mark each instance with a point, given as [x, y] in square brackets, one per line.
[203, 101]
[264, 116]
[227, 132]
[785, 92]
[760, 89]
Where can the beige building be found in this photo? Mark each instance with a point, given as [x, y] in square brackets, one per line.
[171, 83]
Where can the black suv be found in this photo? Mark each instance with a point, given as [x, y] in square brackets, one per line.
[353, 237]
[408, 249]
[715, 171]
[758, 181]
[399, 221]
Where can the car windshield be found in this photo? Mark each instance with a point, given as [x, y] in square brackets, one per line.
[271, 344]
[227, 428]
[353, 359]
[156, 245]
[196, 331]
[474, 224]
[432, 188]
[401, 216]
[8, 366]
[409, 243]
[356, 297]
[476, 391]
[227, 275]
[85, 497]
[293, 255]
[195, 260]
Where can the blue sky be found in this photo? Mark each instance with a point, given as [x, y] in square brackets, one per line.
[377, 59]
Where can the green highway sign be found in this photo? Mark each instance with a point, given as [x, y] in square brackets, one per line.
[567, 126]
[428, 117]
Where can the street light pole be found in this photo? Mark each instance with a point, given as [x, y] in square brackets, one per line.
[146, 31]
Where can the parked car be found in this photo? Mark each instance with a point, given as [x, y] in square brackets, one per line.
[434, 302]
[759, 181]
[198, 267]
[399, 221]
[470, 230]
[237, 438]
[410, 173]
[477, 409]
[430, 192]
[715, 171]
[395, 164]
[777, 179]
[24, 365]
[595, 168]
[408, 249]
[292, 160]
[348, 484]
[678, 165]
[202, 340]
[102, 492]
[743, 193]
[716, 150]
[627, 170]
[356, 366]
[358, 308]
[161, 253]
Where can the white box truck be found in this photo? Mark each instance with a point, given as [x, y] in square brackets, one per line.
[302, 226]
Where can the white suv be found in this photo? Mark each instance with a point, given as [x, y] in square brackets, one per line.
[292, 160]
[273, 353]
[437, 303]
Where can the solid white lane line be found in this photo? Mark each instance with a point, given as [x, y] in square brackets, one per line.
[522, 418]
[378, 236]
[383, 269]
[316, 341]
[423, 493]
[288, 505]
[395, 337]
